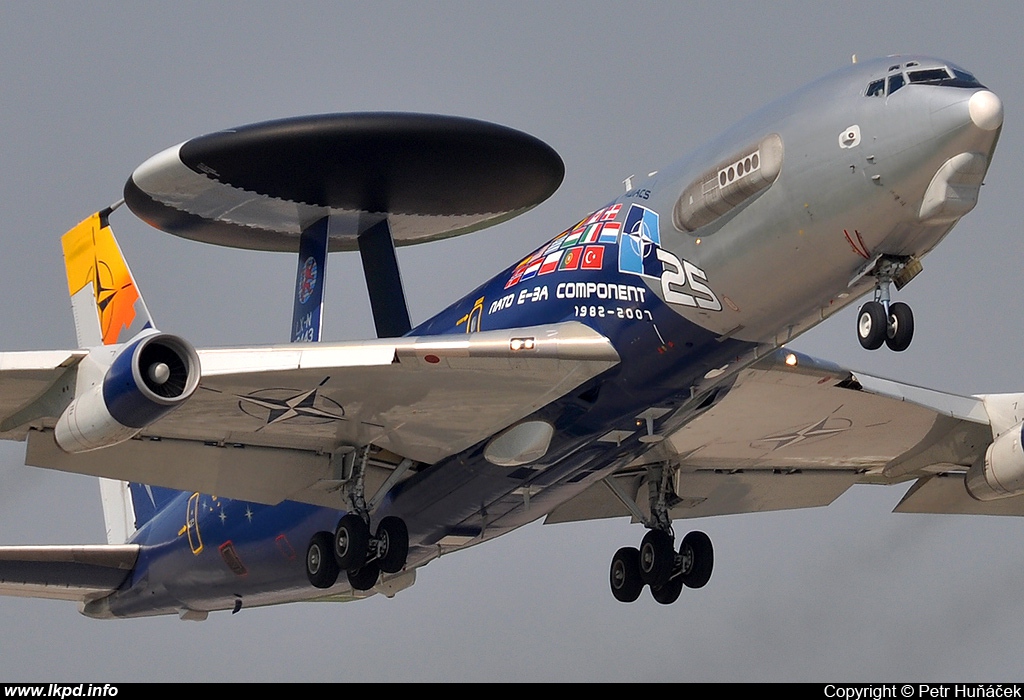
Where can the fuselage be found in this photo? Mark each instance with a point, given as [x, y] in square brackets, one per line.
[692, 274]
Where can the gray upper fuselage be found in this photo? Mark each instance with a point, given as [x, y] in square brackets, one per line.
[783, 259]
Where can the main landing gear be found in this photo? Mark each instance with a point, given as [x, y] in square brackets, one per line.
[657, 563]
[881, 321]
[353, 549]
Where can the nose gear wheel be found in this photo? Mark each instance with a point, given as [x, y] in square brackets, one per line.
[881, 322]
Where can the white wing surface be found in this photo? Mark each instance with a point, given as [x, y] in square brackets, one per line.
[795, 436]
[264, 422]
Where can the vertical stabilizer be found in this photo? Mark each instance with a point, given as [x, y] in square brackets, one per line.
[127, 506]
[108, 310]
[106, 303]
[118, 513]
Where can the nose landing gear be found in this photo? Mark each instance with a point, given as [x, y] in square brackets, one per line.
[881, 321]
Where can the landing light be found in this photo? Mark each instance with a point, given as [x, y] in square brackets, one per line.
[522, 344]
[790, 360]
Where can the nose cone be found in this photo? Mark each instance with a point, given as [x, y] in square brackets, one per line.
[986, 110]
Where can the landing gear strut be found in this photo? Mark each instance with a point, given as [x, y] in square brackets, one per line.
[881, 321]
[352, 548]
[656, 563]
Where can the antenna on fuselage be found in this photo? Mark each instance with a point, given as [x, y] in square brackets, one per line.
[854, 58]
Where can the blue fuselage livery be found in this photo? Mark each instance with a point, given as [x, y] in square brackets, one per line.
[248, 554]
[614, 349]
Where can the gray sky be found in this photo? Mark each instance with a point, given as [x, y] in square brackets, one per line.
[851, 592]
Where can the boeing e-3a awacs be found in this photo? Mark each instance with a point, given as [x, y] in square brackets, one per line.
[621, 369]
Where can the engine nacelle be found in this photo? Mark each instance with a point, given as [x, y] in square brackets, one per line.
[149, 378]
[1000, 473]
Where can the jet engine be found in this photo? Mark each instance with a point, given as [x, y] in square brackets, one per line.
[1000, 473]
[147, 379]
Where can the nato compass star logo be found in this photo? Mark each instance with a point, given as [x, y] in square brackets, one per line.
[640, 240]
[275, 406]
[826, 427]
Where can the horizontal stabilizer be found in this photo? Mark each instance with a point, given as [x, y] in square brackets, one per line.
[60, 572]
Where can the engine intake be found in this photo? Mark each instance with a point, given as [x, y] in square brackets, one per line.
[149, 378]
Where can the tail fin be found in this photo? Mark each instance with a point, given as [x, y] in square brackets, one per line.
[127, 506]
[118, 515]
[108, 310]
[106, 303]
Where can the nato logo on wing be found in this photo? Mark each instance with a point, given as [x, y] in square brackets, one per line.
[639, 243]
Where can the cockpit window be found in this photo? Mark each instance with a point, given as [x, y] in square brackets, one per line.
[946, 76]
[929, 75]
[964, 79]
[941, 76]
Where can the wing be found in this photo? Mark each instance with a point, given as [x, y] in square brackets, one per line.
[795, 436]
[265, 421]
[82, 573]
[32, 387]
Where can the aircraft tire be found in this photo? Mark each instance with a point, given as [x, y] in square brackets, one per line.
[657, 557]
[698, 556]
[872, 326]
[668, 593]
[365, 577]
[625, 575]
[901, 327]
[351, 540]
[393, 544]
[321, 565]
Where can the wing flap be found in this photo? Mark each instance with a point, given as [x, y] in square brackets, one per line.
[80, 572]
[707, 493]
[246, 472]
[945, 494]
